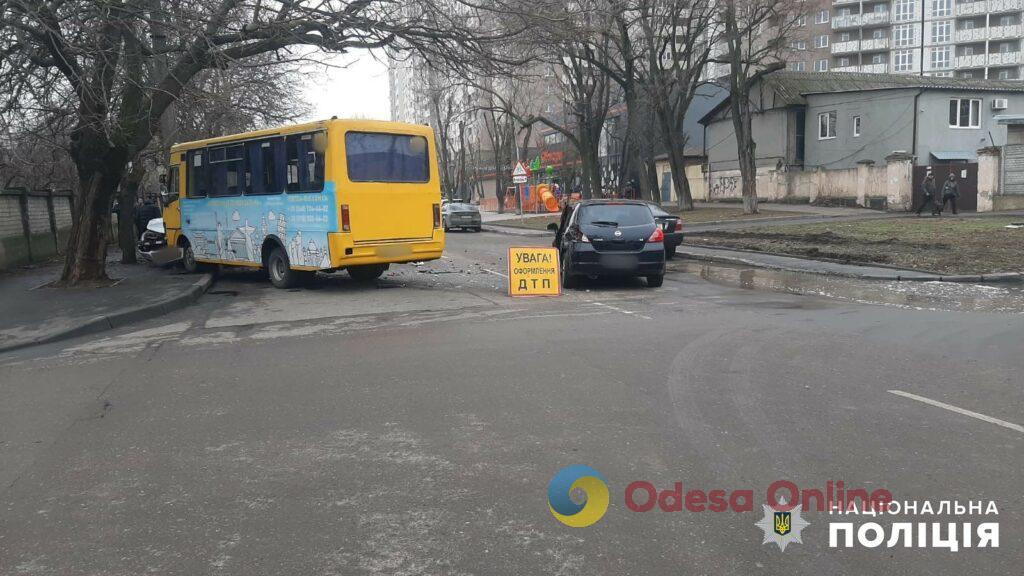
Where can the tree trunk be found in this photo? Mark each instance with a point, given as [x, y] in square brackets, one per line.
[677, 164]
[87, 243]
[746, 147]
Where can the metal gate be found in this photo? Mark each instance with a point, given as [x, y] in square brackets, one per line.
[968, 183]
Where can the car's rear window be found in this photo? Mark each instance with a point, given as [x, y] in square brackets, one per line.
[458, 207]
[619, 214]
[378, 157]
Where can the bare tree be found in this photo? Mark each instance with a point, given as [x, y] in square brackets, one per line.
[100, 55]
[755, 34]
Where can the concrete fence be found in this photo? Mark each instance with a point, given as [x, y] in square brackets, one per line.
[34, 225]
[885, 186]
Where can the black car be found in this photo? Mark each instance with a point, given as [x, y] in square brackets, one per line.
[460, 215]
[672, 226]
[610, 238]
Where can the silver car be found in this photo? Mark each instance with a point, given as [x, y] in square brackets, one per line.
[460, 215]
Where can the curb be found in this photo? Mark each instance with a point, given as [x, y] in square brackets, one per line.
[907, 276]
[124, 317]
[514, 231]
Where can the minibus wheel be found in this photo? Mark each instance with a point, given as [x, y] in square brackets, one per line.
[280, 271]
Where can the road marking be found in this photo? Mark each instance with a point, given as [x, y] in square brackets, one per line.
[622, 310]
[495, 273]
[951, 408]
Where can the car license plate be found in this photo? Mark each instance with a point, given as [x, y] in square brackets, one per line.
[619, 261]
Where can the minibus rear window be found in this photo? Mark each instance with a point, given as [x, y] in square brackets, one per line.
[378, 157]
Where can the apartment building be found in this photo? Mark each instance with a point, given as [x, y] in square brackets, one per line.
[966, 39]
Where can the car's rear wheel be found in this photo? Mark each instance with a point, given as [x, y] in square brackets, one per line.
[279, 269]
[366, 272]
[655, 281]
[670, 251]
[569, 280]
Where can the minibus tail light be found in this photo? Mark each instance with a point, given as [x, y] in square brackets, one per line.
[437, 215]
[346, 225]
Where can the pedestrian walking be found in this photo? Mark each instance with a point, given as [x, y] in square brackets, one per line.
[950, 193]
[928, 194]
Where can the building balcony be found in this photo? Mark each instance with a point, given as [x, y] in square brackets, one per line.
[846, 47]
[973, 35]
[997, 32]
[1004, 59]
[858, 20]
[866, 68]
[874, 18]
[971, 8]
[844, 2]
[971, 61]
[844, 22]
[872, 44]
[997, 6]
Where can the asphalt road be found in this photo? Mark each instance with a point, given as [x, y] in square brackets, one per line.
[412, 427]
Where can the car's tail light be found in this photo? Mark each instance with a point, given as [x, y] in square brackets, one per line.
[346, 225]
[437, 215]
[679, 225]
[658, 236]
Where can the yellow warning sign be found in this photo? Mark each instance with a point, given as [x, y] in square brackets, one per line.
[533, 271]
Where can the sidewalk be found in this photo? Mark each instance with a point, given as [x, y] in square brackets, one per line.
[33, 313]
[793, 264]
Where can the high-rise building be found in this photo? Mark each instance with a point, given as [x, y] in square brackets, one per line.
[967, 39]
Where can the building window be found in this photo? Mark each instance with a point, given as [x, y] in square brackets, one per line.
[798, 66]
[1005, 20]
[844, 37]
[941, 31]
[843, 62]
[843, 12]
[827, 125]
[821, 65]
[822, 17]
[880, 8]
[1004, 75]
[903, 60]
[965, 113]
[801, 21]
[941, 57]
[800, 45]
[968, 51]
[821, 41]
[967, 75]
[856, 126]
[1005, 48]
[903, 35]
[878, 34]
[877, 59]
[968, 25]
[941, 7]
[905, 10]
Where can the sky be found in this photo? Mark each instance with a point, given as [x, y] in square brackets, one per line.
[356, 87]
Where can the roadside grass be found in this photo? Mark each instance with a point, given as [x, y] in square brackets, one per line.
[700, 215]
[948, 245]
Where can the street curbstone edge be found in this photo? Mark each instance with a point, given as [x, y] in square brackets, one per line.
[124, 317]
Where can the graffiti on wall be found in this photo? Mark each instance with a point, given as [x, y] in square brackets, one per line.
[724, 186]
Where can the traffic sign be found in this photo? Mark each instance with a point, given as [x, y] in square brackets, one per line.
[519, 179]
[520, 170]
[533, 271]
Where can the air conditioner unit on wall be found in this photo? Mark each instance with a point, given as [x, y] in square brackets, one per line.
[999, 104]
